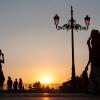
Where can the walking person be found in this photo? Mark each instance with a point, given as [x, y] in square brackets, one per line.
[9, 84]
[20, 85]
[15, 85]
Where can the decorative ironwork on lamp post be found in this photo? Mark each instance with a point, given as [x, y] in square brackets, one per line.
[72, 25]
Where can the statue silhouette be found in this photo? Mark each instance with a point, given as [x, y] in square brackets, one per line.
[94, 58]
[2, 78]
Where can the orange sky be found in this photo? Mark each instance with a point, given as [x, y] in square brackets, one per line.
[32, 46]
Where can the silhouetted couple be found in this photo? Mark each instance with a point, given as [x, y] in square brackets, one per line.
[18, 85]
[94, 60]
[2, 78]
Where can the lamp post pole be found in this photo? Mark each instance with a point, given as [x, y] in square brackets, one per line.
[72, 40]
[72, 25]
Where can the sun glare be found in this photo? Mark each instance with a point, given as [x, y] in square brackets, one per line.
[46, 80]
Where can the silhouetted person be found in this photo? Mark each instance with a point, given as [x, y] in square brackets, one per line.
[85, 81]
[94, 58]
[9, 84]
[20, 85]
[2, 78]
[15, 85]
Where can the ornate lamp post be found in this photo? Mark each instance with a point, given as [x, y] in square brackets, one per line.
[72, 25]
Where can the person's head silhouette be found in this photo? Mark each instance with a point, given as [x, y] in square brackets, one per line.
[94, 34]
[9, 78]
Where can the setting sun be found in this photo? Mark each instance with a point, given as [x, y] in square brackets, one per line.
[46, 79]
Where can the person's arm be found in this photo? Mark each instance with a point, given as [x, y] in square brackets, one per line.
[2, 58]
[86, 68]
[89, 48]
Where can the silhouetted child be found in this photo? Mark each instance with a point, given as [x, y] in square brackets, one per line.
[9, 84]
[15, 85]
[85, 81]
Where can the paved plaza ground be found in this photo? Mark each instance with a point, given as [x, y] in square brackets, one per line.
[48, 96]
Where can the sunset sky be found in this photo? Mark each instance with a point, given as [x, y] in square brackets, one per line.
[34, 50]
